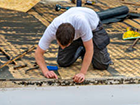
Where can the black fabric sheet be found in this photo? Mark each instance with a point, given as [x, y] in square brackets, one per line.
[116, 14]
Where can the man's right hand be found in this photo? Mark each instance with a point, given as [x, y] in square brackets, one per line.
[50, 74]
[41, 62]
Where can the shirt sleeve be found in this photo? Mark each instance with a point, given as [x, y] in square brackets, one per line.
[85, 30]
[47, 37]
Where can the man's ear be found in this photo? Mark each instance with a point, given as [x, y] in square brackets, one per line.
[58, 42]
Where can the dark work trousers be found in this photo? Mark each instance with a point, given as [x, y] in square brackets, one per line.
[101, 58]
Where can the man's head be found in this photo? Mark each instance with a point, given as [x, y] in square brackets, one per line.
[65, 34]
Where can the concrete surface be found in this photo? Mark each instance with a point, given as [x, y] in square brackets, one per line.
[76, 95]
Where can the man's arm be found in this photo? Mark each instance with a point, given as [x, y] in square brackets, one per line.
[86, 61]
[41, 62]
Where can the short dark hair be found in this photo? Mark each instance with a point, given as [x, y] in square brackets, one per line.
[65, 34]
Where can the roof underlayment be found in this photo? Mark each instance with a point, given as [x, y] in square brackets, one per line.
[20, 31]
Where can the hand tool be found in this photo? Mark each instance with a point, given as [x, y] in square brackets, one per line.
[20, 66]
[132, 33]
[134, 43]
[94, 3]
[52, 68]
[90, 2]
[59, 7]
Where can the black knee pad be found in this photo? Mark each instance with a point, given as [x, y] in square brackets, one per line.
[63, 64]
[100, 66]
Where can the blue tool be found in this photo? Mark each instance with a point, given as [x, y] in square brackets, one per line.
[58, 7]
[52, 68]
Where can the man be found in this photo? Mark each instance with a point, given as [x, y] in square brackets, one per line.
[78, 32]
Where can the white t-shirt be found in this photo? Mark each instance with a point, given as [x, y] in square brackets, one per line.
[83, 19]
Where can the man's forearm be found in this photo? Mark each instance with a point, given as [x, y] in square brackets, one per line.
[41, 62]
[86, 62]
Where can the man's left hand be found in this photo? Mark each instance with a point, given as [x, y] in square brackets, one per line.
[79, 78]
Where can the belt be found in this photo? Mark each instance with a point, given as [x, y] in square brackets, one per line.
[99, 27]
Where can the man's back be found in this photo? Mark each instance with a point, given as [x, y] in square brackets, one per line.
[83, 19]
[78, 12]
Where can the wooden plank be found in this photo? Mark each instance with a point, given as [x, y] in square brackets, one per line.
[40, 18]
[18, 56]
[130, 3]
[132, 23]
[7, 55]
[138, 20]
[19, 5]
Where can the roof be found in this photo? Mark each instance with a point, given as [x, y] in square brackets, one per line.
[20, 31]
